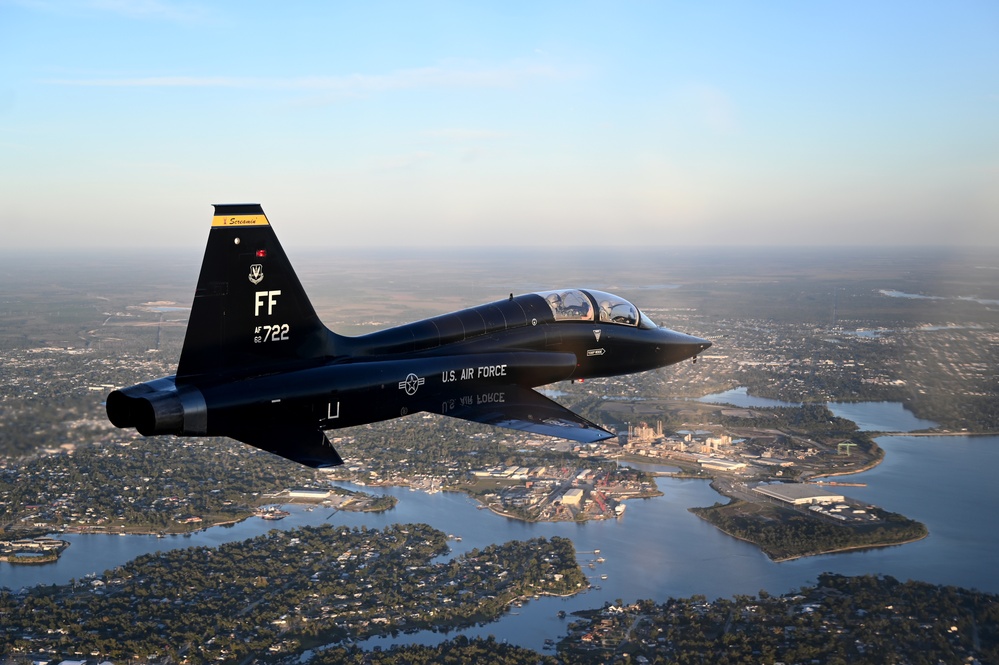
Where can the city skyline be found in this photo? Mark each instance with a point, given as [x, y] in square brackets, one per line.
[441, 124]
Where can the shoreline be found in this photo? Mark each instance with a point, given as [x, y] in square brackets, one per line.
[29, 561]
[139, 531]
[948, 433]
[33, 552]
[838, 550]
[852, 548]
[481, 505]
[837, 474]
[680, 474]
[496, 511]
[849, 548]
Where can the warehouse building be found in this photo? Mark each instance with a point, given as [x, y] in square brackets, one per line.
[573, 497]
[799, 494]
[308, 493]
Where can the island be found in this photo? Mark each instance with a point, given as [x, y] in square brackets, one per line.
[283, 593]
[860, 620]
[782, 469]
[311, 594]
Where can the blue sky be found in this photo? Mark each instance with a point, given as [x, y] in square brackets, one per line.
[501, 123]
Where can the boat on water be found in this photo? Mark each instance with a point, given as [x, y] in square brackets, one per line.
[272, 514]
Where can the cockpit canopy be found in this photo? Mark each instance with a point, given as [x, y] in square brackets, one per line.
[580, 305]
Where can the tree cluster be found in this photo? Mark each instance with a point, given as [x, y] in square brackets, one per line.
[286, 591]
[867, 620]
[784, 533]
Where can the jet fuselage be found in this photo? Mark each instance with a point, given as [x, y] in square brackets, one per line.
[260, 367]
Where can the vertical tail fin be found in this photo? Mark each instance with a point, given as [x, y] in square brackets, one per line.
[250, 310]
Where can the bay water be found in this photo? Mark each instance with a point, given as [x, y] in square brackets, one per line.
[658, 549]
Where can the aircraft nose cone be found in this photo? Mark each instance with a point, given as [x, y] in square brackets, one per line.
[677, 346]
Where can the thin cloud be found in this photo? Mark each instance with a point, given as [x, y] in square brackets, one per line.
[149, 9]
[503, 76]
[157, 10]
[458, 134]
[401, 162]
[711, 107]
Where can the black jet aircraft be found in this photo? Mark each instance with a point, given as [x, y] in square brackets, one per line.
[260, 367]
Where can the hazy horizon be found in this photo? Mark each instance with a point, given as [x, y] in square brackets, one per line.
[452, 124]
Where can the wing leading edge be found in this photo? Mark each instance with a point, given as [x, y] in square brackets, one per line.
[526, 410]
[302, 444]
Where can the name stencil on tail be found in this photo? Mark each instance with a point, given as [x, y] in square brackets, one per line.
[240, 220]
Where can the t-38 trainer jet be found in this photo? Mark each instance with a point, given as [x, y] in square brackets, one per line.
[260, 367]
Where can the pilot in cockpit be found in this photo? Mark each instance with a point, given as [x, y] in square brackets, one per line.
[605, 310]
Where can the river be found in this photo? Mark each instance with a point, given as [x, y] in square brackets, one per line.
[658, 549]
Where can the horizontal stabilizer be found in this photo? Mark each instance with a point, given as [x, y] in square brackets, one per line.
[526, 410]
[299, 444]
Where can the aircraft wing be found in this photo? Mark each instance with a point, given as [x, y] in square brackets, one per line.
[525, 410]
[303, 444]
